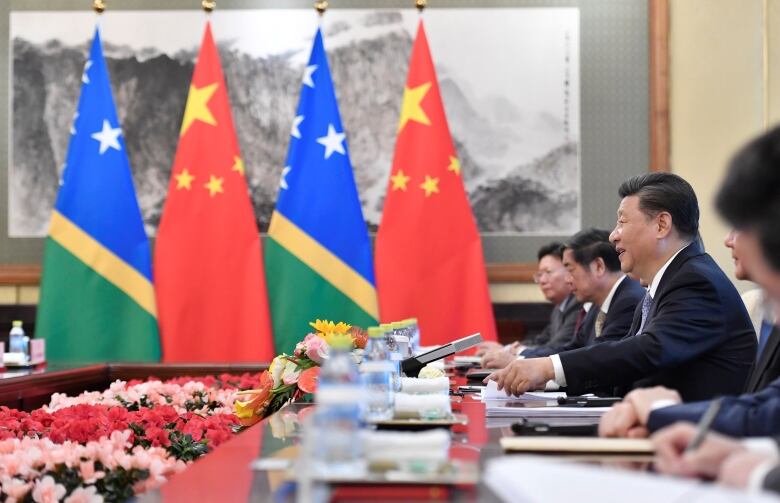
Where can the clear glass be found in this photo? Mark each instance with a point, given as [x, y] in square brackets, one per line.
[377, 370]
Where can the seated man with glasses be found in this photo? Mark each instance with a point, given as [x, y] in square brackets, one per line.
[551, 276]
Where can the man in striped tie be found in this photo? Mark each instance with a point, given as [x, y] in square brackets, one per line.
[695, 335]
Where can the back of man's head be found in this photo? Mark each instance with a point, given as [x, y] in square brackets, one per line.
[658, 192]
[591, 244]
[554, 249]
[749, 197]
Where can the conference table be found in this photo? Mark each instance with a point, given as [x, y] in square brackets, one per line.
[226, 474]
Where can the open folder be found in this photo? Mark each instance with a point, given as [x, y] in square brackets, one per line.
[578, 445]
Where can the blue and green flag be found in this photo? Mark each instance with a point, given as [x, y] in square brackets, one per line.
[318, 254]
[97, 300]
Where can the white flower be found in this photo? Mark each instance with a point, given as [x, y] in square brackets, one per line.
[291, 372]
[430, 372]
[277, 368]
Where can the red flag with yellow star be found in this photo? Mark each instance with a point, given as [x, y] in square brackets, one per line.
[429, 262]
[208, 269]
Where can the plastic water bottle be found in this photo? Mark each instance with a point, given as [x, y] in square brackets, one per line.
[377, 370]
[337, 420]
[392, 336]
[17, 341]
[414, 334]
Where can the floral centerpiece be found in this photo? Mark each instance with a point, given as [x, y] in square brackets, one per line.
[109, 446]
[294, 377]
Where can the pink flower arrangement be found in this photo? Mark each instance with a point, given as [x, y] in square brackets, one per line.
[312, 346]
[113, 444]
[222, 381]
[188, 397]
[42, 469]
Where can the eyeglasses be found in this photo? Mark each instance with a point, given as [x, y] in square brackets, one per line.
[540, 274]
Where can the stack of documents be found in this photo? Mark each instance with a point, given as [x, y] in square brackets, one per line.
[538, 408]
[491, 392]
[541, 482]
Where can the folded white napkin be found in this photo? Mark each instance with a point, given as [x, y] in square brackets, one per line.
[398, 446]
[414, 385]
[428, 406]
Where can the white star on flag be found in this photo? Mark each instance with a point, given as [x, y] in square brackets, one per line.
[73, 124]
[108, 137]
[307, 81]
[84, 76]
[294, 129]
[332, 142]
[283, 181]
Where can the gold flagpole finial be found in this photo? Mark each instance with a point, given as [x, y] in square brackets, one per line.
[98, 6]
[420, 4]
[208, 6]
[321, 6]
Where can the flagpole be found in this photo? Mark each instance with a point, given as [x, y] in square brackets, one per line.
[99, 6]
[420, 4]
[208, 5]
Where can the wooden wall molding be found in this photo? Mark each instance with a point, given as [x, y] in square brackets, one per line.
[520, 272]
[658, 18]
[20, 274]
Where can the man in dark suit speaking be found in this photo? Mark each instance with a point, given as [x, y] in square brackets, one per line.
[692, 332]
[594, 266]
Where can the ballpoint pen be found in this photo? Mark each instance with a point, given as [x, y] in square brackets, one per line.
[704, 425]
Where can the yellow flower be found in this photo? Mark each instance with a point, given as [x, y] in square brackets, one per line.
[326, 326]
[243, 410]
[339, 340]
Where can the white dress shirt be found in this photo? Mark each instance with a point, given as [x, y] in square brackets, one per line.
[560, 376]
[608, 301]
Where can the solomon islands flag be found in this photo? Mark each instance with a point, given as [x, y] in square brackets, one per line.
[97, 300]
[318, 254]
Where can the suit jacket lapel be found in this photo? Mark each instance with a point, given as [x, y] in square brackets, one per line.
[692, 250]
[611, 312]
[767, 357]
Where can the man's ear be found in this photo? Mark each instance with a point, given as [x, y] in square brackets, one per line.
[598, 267]
[663, 222]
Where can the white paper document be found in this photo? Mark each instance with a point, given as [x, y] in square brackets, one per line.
[467, 359]
[538, 408]
[491, 392]
[542, 478]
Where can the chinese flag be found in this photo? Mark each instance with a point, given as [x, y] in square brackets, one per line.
[209, 278]
[429, 262]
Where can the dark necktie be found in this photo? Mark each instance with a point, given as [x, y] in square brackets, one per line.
[766, 329]
[580, 317]
[647, 303]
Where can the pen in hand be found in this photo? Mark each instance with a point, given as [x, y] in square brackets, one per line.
[704, 425]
